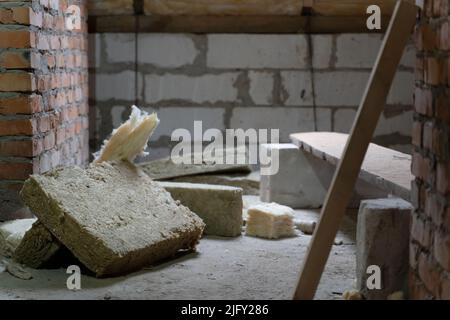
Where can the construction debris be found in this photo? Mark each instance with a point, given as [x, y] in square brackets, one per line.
[270, 220]
[177, 166]
[11, 233]
[398, 295]
[111, 216]
[18, 271]
[130, 139]
[220, 207]
[307, 227]
[352, 295]
[37, 247]
[248, 182]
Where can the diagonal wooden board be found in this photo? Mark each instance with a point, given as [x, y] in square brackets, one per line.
[373, 101]
[382, 167]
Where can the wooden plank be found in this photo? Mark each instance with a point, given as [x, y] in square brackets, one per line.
[382, 167]
[339, 194]
[232, 24]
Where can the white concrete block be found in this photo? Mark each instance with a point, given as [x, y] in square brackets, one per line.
[257, 51]
[343, 120]
[409, 56]
[261, 87]
[357, 50]
[173, 118]
[208, 88]
[402, 90]
[361, 50]
[117, 115]
[322, 51]
[94, 52]
[166, 50]
[340, 88]
[297, 88]
[382, 239]
[119, 47]
[119, 86]
[287, 120]
[401, 124]
[296, 184]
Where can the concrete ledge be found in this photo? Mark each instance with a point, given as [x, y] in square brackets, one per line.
[303, 180]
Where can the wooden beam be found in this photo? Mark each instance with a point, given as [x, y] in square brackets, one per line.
[232, 24]
[247, 8]
[350, 7]
[343, 183]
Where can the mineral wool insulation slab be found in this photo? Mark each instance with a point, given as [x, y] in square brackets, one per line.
[112, 217]
[220, 207]
[37, 247]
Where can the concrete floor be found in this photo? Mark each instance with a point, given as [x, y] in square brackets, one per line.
[222, 268]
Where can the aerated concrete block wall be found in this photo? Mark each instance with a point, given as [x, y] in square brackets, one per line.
[243, 81]
[43, 94]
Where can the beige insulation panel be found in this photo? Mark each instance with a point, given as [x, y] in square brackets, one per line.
[111, 216]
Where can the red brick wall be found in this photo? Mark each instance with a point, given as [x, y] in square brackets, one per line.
[430, 244]
[43, 94]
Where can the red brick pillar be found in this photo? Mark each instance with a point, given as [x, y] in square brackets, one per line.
[43, 94]
[430, 230]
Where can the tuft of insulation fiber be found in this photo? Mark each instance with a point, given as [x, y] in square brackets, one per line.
[352, 295]
[130, 139]
[270, 221]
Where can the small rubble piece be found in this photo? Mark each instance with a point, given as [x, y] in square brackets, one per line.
[307, 227]
[18, 271]
[111, 216]
[271, 221]
[398, 295]
[220, 207]
[130, 139]
[177, 166]
[37, 247]
[11, 234]
[352, 295]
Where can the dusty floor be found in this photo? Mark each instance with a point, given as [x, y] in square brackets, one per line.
[238, 268]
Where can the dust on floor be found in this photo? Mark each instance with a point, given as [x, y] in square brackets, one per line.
[222, 268]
